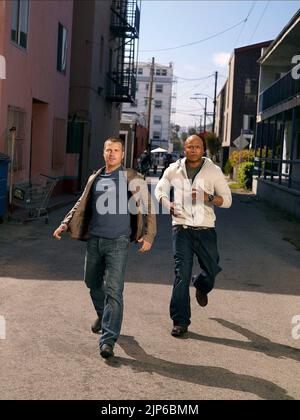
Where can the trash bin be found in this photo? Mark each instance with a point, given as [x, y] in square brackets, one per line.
[4, 162]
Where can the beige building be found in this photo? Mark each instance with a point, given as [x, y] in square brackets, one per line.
[160, 124]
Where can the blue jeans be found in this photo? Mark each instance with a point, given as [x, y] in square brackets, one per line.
[186, 244]
[104, 275]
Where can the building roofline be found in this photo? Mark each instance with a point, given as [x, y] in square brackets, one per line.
[288, 26]
[253, 46]
[249, 48]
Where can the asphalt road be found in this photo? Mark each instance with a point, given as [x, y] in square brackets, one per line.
[239, 347]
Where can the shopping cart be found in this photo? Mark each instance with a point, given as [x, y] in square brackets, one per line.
[33, 197]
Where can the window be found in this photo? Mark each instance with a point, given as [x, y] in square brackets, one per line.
[146, 102]
[159, 89]
[156, 135]
[101, 61]
[157, 119]
[249, 122]
[147, 86]
[137, 87]
[248, 87]
[158, 104]
[164, 72]
[250, 90]
[59, 143]
[62, 45]
[140, 71]
[19, 28]
[158, 72]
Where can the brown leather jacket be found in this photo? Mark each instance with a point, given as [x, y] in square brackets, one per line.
[143, 224]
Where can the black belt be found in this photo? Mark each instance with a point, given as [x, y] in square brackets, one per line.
[195, 228]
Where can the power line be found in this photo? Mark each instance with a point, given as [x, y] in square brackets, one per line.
[200, 41]
[245, 22]
[193, 80]
[260, 19]
[193, 88]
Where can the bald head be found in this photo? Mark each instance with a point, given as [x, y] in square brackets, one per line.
[194, 138]
[194, 149]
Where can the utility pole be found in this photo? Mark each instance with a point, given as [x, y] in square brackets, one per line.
[150, 99]
[205, 113]
[215, 101]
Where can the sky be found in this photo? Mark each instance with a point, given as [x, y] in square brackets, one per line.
[172, 23]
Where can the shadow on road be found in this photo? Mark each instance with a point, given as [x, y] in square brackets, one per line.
[201, 375]
[256, 342]
[254, 256]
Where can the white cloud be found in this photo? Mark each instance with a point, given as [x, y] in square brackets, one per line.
[221, 59]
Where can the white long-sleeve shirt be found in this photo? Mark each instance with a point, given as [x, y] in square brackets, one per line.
[210, 179]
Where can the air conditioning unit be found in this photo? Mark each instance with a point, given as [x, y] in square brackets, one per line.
[2, 67]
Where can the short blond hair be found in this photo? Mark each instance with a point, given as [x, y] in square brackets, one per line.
[115, 140]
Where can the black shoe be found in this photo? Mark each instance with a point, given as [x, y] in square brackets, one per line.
[202, 298]
[106, 351]
[179, 330]
[97, 325]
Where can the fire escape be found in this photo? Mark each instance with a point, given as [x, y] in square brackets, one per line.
[125, 27]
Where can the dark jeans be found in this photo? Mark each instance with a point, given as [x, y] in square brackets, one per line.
[186, 244]
[106, 260]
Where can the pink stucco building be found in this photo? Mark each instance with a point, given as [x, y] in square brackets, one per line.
[35, 39]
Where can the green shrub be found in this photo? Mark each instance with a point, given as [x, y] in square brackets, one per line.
[228, 168]
[245, 173]
[237, 157]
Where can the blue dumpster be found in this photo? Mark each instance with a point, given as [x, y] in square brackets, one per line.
[4, 161]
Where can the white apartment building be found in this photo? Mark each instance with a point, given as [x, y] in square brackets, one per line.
[160, 128]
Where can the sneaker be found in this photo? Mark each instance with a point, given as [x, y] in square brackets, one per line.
[179, 330]
[97, 326]
[202, 298]
[106, 351]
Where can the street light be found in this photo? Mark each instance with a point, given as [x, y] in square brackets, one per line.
[205, 109]
[214, 100]
[204, 94]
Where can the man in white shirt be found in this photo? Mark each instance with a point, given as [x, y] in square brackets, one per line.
[198, 186]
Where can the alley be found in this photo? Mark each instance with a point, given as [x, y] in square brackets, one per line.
[239, 347]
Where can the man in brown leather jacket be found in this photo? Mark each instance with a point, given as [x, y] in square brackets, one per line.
[114, 208]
